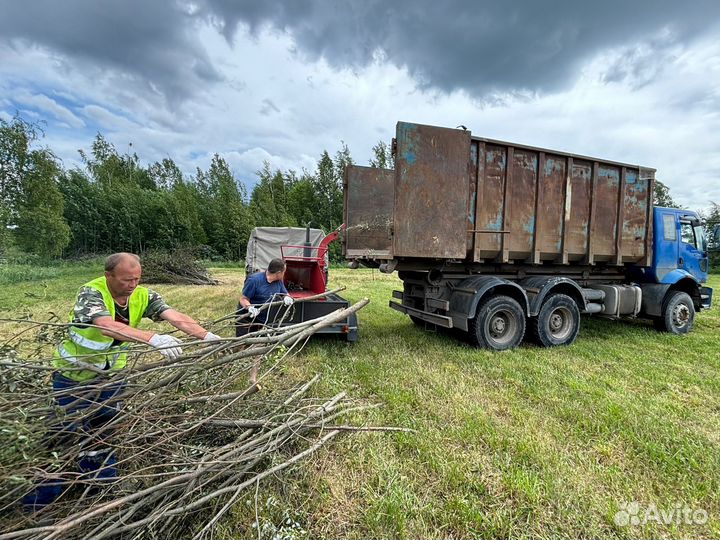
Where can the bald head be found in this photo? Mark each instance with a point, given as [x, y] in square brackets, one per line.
[122, 272]
[121, 259]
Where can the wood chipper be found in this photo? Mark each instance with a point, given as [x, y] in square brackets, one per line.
[305, 252]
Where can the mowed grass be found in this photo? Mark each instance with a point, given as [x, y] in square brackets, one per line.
[525, 443]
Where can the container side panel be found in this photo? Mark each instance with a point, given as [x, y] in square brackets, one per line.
[368, 212]
[580, 183]
[520, 214]
[635, 216]
[431, 192]
[472, 198]
[551, 210]
[491, 189]
[607, 210]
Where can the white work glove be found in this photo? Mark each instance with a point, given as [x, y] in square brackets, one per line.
[211, 337]
[253, 311]
[168, 346]
[288, 300]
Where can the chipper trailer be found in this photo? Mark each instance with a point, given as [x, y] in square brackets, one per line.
[305, 252]
[499, 240]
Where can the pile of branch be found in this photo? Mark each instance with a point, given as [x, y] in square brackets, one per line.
[192, 436]
[178, 267]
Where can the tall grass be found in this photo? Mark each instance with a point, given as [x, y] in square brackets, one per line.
[526, 443]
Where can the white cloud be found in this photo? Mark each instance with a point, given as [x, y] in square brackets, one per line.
[272, 106]
[48, 105]
[106, 119]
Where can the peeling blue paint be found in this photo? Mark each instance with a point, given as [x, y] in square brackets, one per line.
[497, 224]
[551, 166]
[534, 165]
[529, 225]
[496, 155]
[611, 176]
[474, 154]
[407, 133]
[641, 187]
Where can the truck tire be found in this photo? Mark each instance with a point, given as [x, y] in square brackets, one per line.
[558, 322]
[499, 324]
[678, 313]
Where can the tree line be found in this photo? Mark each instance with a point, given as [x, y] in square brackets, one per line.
[114, 203]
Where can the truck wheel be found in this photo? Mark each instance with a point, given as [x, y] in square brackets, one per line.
[499, 324]
[678, 314]
[558, 322]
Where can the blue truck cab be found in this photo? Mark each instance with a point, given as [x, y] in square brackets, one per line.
[673, 287]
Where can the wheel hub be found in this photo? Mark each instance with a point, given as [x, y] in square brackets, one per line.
[681, 315]
[556, 322]
[498, 325]
[560, 323]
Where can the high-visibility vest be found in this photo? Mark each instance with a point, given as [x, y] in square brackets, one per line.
[88, 345]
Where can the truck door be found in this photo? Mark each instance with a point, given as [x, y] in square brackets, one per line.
[692, 253]
[666, 243]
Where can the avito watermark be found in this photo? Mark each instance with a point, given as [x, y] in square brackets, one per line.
[634, 514]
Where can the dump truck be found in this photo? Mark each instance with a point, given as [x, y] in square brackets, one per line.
[503, 241]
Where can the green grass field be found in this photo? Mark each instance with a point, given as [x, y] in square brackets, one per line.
[526, 443]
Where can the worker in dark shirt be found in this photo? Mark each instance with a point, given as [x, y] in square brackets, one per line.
[261, 288]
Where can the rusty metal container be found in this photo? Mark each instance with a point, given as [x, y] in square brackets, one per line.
[456, 197]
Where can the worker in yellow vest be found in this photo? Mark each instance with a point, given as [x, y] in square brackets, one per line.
[104, 320]
[114, 305]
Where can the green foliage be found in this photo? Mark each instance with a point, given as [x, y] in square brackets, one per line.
[29, 195]
[301, 200]
[712, 224]
[225, 216]
[661, 196]
[165, 174]
[107, 167]
[327, 187]
[113, 203]
[382, 156]
[15, 140]
[4, 222]
[270, 198]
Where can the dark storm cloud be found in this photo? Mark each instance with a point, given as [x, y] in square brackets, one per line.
[151, 41]
[479, 46]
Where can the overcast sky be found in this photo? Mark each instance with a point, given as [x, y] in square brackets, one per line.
[634, 81]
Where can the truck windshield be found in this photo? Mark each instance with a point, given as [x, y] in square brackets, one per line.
[695, 236]
[700, 238]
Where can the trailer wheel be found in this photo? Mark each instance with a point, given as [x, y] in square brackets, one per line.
[558, 322]
[499, 324]
[678, 314]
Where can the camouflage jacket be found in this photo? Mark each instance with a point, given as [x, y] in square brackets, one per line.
[90, 305]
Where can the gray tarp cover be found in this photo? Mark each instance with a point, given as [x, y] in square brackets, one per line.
[264, 245]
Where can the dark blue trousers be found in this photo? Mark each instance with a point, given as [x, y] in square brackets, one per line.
[76, 397]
